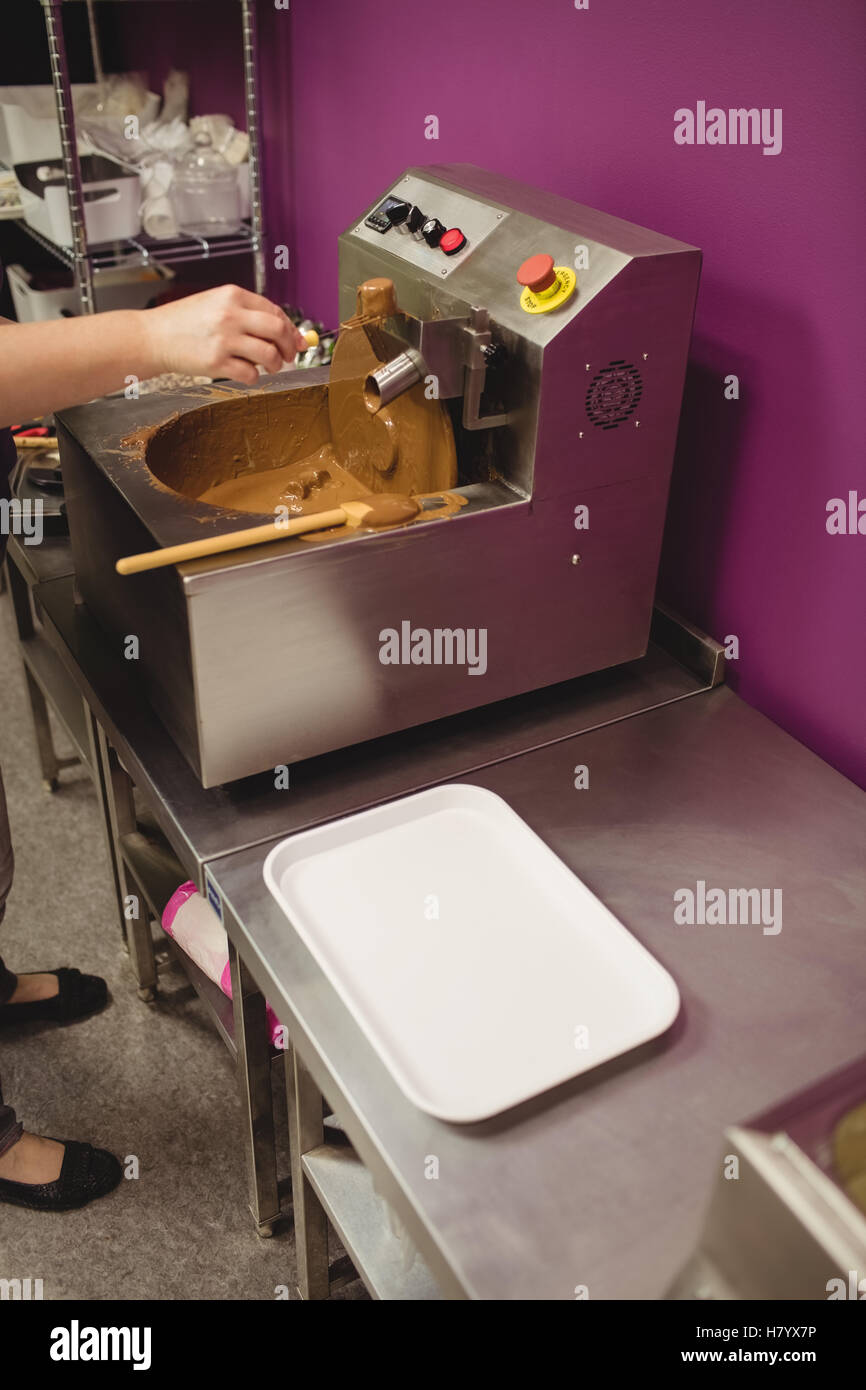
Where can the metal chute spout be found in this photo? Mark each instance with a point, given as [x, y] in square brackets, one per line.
[390, 381]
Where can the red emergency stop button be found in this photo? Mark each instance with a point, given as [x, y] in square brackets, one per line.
[452, 241]
[537, 274]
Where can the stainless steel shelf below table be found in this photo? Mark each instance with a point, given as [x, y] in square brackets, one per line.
[391, 1268]
[158, 873]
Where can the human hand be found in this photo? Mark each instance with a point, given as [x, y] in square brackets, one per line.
[223, 332]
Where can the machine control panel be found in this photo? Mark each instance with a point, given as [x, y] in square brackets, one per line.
[531, 275]
[407, 217]
[433, 227]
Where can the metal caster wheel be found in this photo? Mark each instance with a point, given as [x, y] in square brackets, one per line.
[147, 995]
[50, 784]
[265, 1231]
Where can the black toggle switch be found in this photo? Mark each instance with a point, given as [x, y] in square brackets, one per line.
[415, 221]
[397, 214]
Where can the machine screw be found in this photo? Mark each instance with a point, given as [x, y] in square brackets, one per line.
[637, 424]
[645, 356]
[575, 559]
[580, 434]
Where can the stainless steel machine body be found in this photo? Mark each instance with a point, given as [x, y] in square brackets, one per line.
[565, 424]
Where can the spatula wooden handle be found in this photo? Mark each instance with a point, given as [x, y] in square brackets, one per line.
[235, 540]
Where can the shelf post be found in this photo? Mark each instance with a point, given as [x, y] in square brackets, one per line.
[69, 152]
[248, 20]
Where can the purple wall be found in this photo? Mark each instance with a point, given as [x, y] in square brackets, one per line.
[582, 103]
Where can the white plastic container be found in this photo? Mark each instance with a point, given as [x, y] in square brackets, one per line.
[130, 287]
[112, 200]
[480, 968]
[29, 129]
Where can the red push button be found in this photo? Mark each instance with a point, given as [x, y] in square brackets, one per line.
[537, 274]
[453, 241]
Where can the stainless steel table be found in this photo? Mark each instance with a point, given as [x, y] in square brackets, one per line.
[603, 1182]
[138, 771]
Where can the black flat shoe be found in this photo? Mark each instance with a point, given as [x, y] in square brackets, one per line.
[86, 1174]
[77, 996]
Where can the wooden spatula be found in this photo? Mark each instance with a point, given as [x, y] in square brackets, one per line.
[380, 509]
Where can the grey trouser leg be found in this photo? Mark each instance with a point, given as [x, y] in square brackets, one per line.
[8, 981]
[10, 1129]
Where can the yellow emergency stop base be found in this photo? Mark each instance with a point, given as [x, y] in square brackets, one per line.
[562, 289]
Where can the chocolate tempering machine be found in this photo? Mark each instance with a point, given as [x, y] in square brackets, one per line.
[561, 390]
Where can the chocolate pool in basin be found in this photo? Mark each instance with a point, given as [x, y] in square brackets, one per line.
[254, 453]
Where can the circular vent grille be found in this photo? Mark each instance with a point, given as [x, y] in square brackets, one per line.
[613, 395]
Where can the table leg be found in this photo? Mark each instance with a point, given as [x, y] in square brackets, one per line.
[95, 763]
[306, 1132]
[22, 606]
[254, 1079]
[120, 804]
[48, 759]
[20, 595]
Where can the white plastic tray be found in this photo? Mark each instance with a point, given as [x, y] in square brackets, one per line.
[480, 967]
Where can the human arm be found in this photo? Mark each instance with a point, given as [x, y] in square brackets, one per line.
[226, 331]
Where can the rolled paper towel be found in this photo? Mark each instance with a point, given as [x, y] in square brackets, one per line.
[158, 218]
[157, 210]
[197, 930]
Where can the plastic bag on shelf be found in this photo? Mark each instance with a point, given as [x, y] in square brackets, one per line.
[231, 143]
[111, 116]
[193, 924]
[175, 98]
[104, 119]
[121, 94]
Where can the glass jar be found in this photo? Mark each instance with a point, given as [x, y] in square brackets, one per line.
[205, 192]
